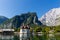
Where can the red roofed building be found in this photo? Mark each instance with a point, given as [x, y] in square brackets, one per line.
[24, 30]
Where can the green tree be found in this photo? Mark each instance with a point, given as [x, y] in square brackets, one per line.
[38, 29]
[47, 29]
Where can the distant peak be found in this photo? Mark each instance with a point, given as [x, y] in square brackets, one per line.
[50, 17]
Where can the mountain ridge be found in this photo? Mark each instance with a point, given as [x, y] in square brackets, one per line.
[2, 19]
[50, 17]
[26, 18]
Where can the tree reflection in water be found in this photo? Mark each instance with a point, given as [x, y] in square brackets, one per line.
[32, 37]
[43, 37]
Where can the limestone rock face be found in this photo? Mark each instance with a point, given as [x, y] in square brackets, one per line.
[18, 20]
[51, 18]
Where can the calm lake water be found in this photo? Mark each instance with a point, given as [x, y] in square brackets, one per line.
[32, 37]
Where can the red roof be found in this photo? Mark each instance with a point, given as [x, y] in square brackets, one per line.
[25, 27]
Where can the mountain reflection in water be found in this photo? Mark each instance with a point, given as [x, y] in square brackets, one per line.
[32, 37]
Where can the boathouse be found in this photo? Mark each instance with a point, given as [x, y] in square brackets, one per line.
[7, 31]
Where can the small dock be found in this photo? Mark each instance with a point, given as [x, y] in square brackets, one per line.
[6, 31]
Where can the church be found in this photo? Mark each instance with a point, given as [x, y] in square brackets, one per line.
[25, 31]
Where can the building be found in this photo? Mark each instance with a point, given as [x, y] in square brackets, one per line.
[25, 31]
[7, 31]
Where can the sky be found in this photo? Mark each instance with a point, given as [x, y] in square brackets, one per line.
[10, 8]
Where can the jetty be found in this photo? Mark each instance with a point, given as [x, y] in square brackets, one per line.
[6, 31]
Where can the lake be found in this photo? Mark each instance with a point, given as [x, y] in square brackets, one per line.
[32, 37]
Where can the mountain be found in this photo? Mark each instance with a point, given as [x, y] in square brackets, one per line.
[51, 18]
[18, 20]
[2, 19]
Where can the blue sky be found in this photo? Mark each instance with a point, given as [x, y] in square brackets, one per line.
[10, 8]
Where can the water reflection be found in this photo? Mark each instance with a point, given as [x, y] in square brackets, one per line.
[6, 37]
[24, 36]
[31, 37]
[44, 37]
[51, 37]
